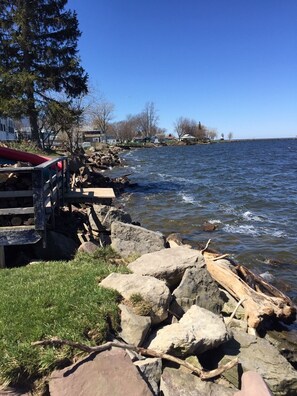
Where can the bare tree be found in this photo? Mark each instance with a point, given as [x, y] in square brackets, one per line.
[148, 120]
[63, 118]
[230, 135]
[101, 114]
[179, 126]
[211, 133]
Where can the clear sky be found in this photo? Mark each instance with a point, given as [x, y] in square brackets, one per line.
[230, 64]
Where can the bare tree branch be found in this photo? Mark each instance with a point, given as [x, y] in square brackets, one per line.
[142, 351]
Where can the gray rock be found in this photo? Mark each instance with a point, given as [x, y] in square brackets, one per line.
[128, 239]
[198, 331]
[102, 216]
[286, 343]
[167, 264]
[178, 382]
[257, 354]
[153, 291]
[105, 374]
[198, 287]
[134, 327]
[151, 370]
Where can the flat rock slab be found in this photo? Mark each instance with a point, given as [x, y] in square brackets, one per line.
[257, 354]
[198, 331]
[152, 290]
[178, 382]
[167, 264]
[128, 239]
[109, 373]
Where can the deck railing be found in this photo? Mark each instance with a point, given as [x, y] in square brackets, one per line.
[50, 182]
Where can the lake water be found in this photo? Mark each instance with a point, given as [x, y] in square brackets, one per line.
[248, 189]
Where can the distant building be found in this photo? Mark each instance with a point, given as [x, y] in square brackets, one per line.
[93, 135]
[169, 138]
[7, 131]
[187, 137]
[111, 140]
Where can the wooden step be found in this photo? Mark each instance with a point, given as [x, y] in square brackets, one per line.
[89, 194]
[19, 235]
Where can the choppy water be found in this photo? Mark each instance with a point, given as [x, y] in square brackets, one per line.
[249, 189]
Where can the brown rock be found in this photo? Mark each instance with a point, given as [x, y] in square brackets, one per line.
[209, 227]
[109, 373]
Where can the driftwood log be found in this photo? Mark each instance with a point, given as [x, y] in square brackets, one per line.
[259, 299]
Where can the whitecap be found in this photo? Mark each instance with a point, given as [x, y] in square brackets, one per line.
[214, 221]
[162, 175]
[188, 198]
[267, 276]
[250, 216]
[241, 229]
[278, 234]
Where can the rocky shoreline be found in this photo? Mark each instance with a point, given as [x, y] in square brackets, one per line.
[170, 305]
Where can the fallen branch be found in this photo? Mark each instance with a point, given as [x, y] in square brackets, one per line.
[142, 351]
[235, 310]
[206, 246]
[221, 257]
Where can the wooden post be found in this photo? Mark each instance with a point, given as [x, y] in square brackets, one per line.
[2, 257]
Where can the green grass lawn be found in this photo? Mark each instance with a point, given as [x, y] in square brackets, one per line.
[49, 299]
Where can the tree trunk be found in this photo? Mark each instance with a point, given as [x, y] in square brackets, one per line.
[33, 118]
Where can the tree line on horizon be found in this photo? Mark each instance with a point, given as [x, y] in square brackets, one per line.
[43, 82]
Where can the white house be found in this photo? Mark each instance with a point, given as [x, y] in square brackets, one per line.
[7, 131]
[188, 137]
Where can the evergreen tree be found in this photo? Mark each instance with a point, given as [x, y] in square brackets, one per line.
[38, 57]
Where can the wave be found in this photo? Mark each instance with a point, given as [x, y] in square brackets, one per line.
[250, 216]
[187, 198]
[241, 229]
[214, 221]
[249, 229]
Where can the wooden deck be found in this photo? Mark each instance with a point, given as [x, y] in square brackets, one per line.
[89, 194]
[49, 191]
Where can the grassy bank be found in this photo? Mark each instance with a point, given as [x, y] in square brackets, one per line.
[49, 299]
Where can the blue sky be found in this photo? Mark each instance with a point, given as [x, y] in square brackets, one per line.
[231, 64]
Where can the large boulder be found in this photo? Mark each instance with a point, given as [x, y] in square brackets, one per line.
[134, 327]
[58, 247]
[105, 374]
[152, 291]
[198, 331]
[198, 287]
[257, 354]
[179, 382]
[129, 239]
[102, 216]
[167, 264]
